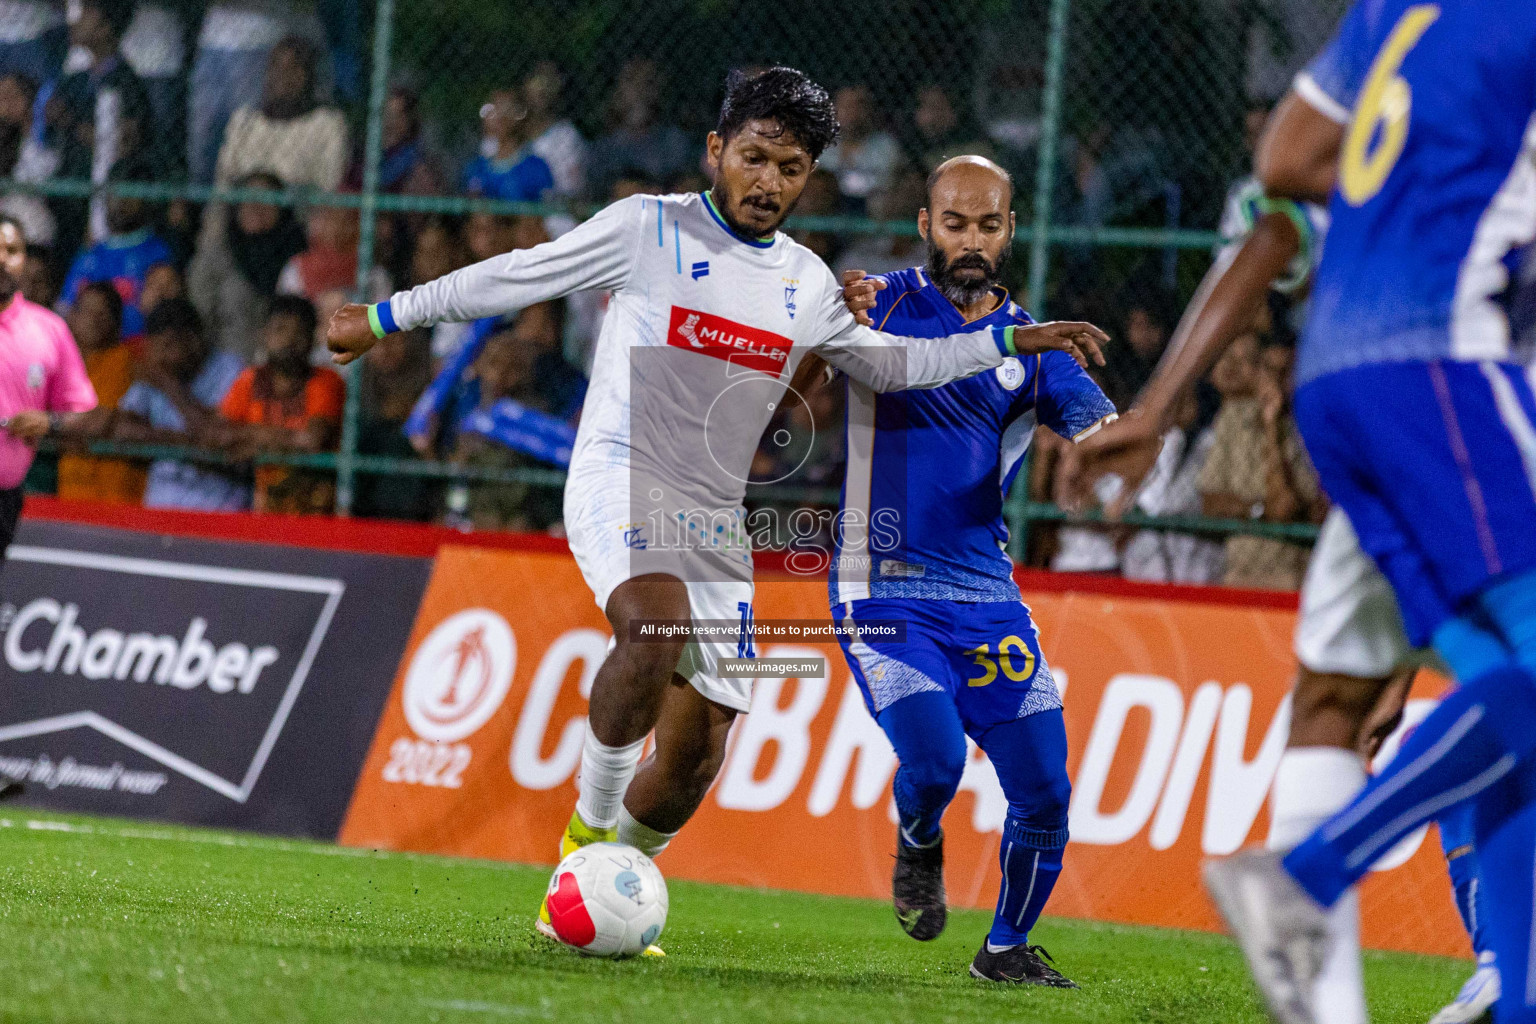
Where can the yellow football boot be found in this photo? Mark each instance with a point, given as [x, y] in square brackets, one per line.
[577, 834]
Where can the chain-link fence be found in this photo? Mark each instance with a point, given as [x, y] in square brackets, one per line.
[234, 141]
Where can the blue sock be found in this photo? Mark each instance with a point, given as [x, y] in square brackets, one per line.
[925, 729]
[1476, 737]
[1506, 853]
[1030, 755]
[1029, 875]
[1456, 839]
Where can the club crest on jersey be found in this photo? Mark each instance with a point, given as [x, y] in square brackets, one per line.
[1010, 373]
[790, 286]
[736, 343]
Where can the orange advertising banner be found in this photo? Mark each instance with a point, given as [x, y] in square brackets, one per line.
[1176, 716]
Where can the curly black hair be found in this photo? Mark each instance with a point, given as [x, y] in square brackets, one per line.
[802, 109]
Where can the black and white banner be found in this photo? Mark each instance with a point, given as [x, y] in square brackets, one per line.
[202, 681]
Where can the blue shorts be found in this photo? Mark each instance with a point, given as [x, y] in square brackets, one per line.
[1435, 464]
[984, 654]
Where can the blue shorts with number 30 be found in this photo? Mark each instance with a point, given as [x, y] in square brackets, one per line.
[984, 654]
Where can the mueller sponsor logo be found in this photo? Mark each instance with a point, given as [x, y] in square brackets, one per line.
[193, 667]
[725, 339]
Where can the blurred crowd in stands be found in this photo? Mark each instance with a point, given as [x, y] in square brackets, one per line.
[203, 327]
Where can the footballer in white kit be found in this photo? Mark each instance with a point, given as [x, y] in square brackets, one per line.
[712, 311]
[703, 333]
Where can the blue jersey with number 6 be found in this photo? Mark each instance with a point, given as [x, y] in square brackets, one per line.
[1435, 209]
[1414, 389]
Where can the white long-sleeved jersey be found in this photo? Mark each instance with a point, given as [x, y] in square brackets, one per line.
[702, 335]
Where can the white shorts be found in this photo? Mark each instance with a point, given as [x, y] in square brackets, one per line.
[1348, 623]
[610, 549]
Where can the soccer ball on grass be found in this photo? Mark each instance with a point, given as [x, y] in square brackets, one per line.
[607, 900]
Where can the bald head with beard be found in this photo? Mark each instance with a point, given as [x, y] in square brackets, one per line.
[968, 226]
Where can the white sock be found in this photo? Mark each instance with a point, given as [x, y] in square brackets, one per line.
[642, 837]
[1311, 785]
[605, 774]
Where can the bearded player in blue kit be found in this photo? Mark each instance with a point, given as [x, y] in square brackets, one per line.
[1415, 400]
[922, 542]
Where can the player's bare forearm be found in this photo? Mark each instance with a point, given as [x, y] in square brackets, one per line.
[1223, 308]
[1298, 154]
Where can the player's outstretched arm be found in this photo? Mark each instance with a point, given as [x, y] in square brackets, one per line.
[1223, 307]
[887, 362]
[596, 254]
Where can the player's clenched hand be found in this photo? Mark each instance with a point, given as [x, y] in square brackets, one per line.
[1083, 342]
[349, 335]
[859, 294]
[1128, 447]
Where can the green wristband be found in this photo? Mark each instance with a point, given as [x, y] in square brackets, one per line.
[373, 321]
[1293, 211]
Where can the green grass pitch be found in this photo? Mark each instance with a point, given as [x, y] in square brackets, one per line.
[111, 921]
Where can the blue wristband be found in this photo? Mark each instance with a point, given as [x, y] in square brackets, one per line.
[1002, 337]
[382, 319]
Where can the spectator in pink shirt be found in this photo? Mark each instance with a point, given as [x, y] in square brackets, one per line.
[43, 384]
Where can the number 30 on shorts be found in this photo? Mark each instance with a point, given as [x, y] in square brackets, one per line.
[1007, 648]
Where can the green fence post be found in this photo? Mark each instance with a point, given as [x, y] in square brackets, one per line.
[346, 456]
[1040, 244]
[1045, 171]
